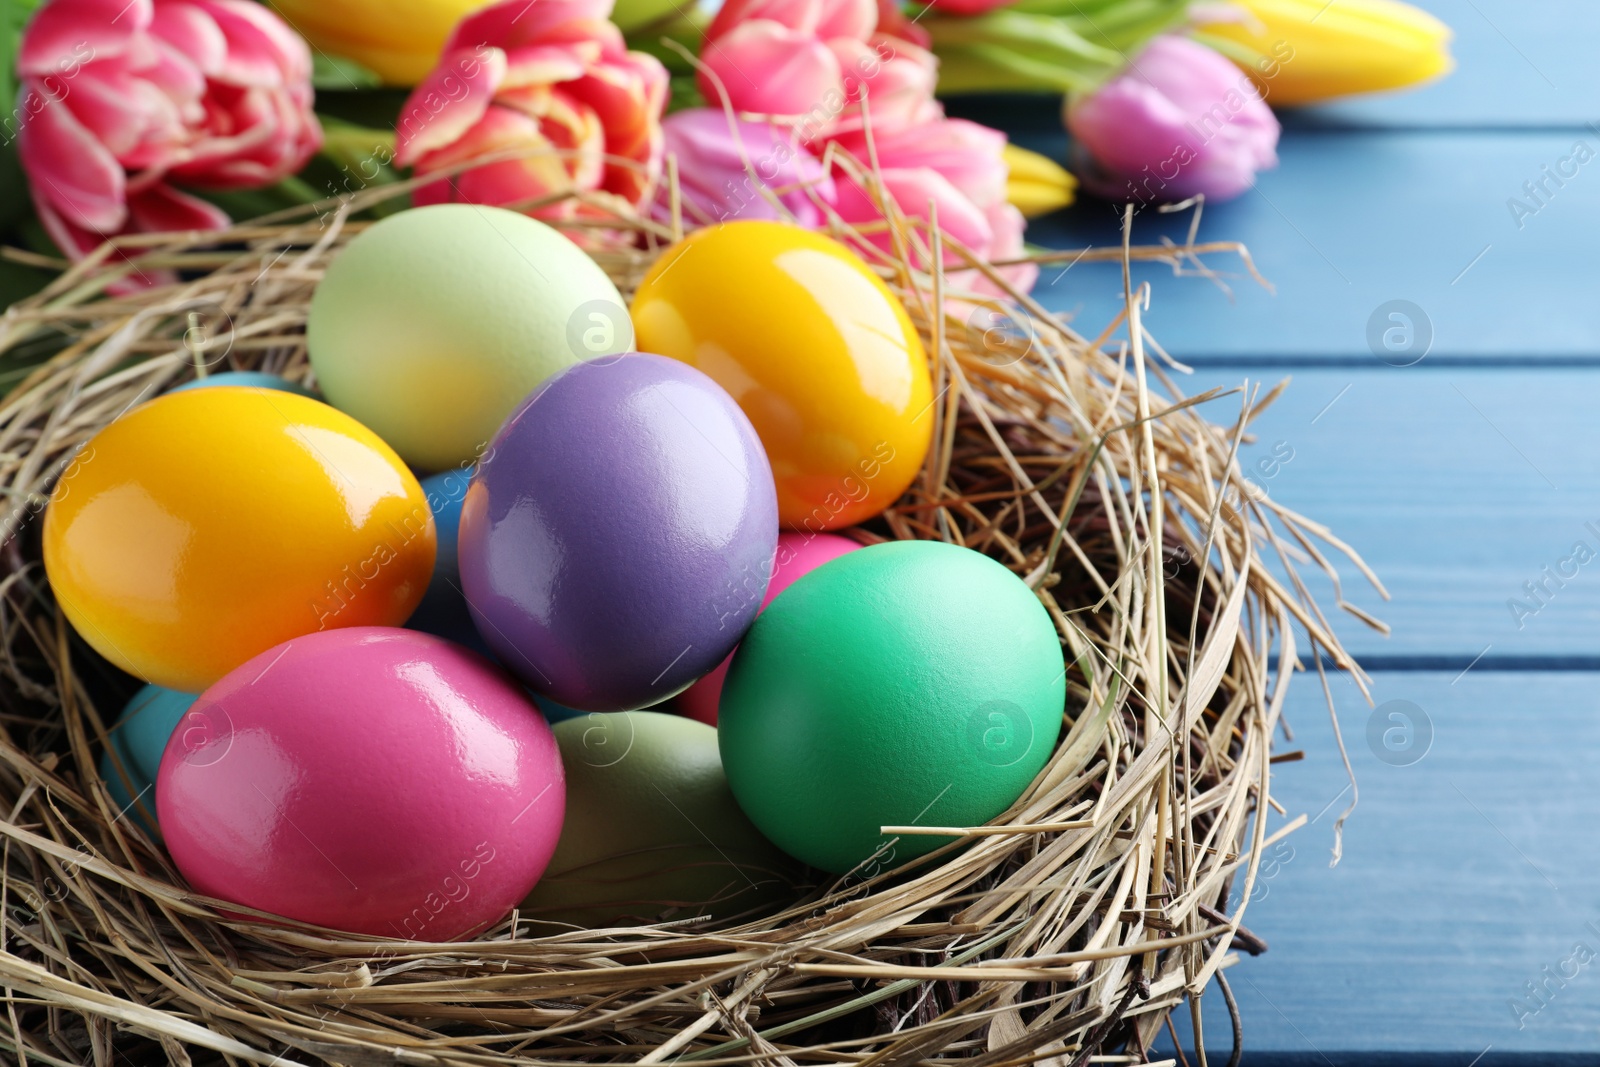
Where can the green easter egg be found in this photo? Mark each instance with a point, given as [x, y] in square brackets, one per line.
[910, 683]
[434, 324]
[652, 831]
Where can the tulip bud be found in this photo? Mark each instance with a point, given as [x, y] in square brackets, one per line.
[1309, 50]
[1180, 121]
[1035, 184]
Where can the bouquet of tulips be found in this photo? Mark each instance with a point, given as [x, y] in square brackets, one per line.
[125, 116]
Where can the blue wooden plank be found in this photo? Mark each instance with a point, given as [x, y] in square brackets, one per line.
[1470, 867]
[1521, 63]
[1351, 222]
[1459, 485]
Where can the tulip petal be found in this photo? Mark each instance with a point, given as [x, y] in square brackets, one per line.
[723, 168]
[75, 242]
[801, 16]
[892, 22]
[768, 69]
[119, 109]
[500, 130]
[513, 23]
[160, 207]
[68, 167]
[262, 50]
[849, 18]
[1181, 121]
[543, 64]
[192, 34]
[76, 31]
[448, 103]
[889, 80]
[627, 99]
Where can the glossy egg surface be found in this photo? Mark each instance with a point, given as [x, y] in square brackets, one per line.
[209, 525]
[372, 780]
[617, 538]
[909, 683]
[815, 349]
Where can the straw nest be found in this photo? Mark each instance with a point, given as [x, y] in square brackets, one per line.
[1064, 932]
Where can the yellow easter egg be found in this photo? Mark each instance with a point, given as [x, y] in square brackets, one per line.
[816, 350]
[209, 525]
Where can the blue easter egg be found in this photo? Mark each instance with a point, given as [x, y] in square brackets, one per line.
[139, 737]
[253, 378]
[443, 611]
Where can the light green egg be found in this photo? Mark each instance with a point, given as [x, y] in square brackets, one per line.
[652, 832]
[912, 683]
[431, 326]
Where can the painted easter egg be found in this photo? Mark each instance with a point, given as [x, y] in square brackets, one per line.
[209, 525]
[816, 350]
[373, 780]
[909, 683]
[652, 831]
[138, 737]
[798, 553]
[617, 537]
[251, 378]
[432, 325]
[443, 610]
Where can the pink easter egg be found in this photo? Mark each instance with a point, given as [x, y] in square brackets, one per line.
[368, 779]
[798, 553]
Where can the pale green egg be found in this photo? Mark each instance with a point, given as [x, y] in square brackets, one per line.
[432, 325]
[652, 831]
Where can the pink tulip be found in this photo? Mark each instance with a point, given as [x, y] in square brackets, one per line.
[120, 99]
[1180, 121]
[818, 65]
[722, 173]
[952, 167]
[537, 74]
[889, 81]
[892, 20]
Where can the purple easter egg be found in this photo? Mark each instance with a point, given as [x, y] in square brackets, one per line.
[618, 536]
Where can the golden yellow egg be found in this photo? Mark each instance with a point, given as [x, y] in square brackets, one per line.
[208, 526]
[816, 350]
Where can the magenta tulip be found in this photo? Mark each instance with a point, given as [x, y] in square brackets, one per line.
[123, 101]
[727, 169]
[552, 77]
[1180, 121]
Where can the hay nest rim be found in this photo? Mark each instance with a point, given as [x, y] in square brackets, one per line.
[1069, 926]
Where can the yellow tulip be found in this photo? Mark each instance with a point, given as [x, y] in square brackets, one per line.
[1311, 50]
[1035, 184]
[399, 40]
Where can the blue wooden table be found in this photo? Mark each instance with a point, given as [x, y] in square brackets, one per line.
[1463, 924]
